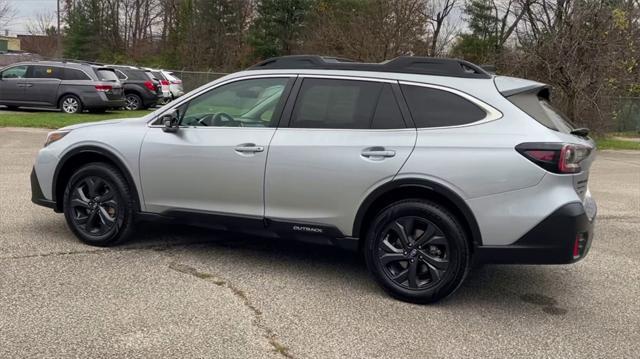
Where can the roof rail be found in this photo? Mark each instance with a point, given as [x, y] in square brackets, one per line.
[402, 64]
[64, 60]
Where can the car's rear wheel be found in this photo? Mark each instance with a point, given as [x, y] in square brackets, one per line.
[70, 104]
[417, 251]
[98, 205]
[133, 102]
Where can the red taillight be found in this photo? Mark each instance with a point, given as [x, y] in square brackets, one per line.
[104, 88]
[555, 157]
[150, 86]
[541, 155]
[578, 245]
[164, 82]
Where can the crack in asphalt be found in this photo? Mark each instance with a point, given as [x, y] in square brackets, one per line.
[258, 318]
[155, 247]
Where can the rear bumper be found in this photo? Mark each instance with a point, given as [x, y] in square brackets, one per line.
[563, 237]
[37, 196]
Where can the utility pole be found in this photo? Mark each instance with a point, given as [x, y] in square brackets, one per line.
[58, 33]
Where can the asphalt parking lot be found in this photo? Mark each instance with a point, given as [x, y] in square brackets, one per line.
[183, 292]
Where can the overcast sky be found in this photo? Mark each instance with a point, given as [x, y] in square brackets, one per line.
[26, 11]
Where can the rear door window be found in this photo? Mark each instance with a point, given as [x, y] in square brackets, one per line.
[44, 72]
[432, 107]
[387, 115]
[345, 104]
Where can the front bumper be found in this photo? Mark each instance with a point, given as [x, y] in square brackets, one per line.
[563, 237]
[37, 196]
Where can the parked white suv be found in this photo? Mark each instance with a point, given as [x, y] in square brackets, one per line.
[423, 164]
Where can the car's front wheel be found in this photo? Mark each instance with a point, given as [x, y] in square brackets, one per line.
[70, 104]
[417, 251]
[98, 205]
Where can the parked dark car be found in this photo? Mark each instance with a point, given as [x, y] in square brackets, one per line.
[69, 86]
[140, 90]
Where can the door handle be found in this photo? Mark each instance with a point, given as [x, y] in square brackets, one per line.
[27, 85]
[377, 153]
[249, 148]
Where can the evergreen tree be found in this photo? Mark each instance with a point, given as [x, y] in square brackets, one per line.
[482, 43]
[83, 31]
[278, 26]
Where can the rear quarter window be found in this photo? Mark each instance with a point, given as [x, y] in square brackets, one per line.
[432, 107]
[73, 74]
[540, 109]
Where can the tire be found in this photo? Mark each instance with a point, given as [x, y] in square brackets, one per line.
[440, 259]
[94, 216]
[71, 104]
[133, 102]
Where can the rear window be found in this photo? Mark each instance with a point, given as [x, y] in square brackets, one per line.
[106, 75]
[431, 107]
[135, 74]
[540, 109]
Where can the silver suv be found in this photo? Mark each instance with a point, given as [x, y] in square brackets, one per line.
[425, 165]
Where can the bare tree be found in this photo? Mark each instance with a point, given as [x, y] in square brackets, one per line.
[42, 24]
[437, 13]
[375, 30]
[7, 13]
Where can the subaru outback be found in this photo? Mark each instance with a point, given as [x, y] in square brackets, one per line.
[425, 165]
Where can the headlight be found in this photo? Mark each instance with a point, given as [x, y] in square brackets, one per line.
[54, 136]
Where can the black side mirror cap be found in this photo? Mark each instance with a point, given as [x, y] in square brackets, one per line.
[170, 122]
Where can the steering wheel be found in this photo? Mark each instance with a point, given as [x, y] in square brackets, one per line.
[222, 119]
[203, 120]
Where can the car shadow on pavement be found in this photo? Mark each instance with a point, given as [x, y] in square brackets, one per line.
[532, 287]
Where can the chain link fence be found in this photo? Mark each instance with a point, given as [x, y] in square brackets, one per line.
[626, 114]
[194, 79]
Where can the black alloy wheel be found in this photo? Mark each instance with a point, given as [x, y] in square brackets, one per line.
[133, 102]
[413, 252]
[98, 205]
[417, 250]
[94, 205]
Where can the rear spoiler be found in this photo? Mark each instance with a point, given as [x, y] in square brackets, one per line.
[509, 86]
